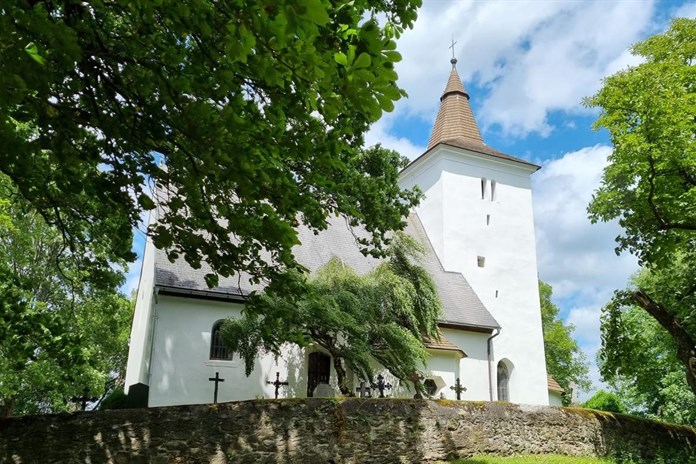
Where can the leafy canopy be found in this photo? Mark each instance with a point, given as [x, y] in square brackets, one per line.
[565, 362]
[605, 401]
[640, 358]
[650, 187]
[383, 316]
[258, 108]
[63, 327]
[650, 183]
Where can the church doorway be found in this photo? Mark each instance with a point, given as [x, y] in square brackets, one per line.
[318, 371]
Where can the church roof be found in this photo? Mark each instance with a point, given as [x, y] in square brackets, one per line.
[553, 385]
[456, 125]
[455, 120]
[443, 345]
[461, 306]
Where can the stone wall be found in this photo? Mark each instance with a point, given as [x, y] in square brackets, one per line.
[336, 431]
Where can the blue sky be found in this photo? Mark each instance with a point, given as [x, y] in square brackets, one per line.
[527, 66]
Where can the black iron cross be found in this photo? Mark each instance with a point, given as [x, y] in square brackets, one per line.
[459, 388]
[84, 399]
[277, 383]
[452, 46]
[217, 380]
[364, 390]
[381, 385]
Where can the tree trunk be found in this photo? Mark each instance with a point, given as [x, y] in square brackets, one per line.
[686, 346]
[341, 376]
[7, 407]
[417, 384]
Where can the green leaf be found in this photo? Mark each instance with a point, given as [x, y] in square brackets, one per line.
[211, 280]
[340, 58]
[33, 51]
[363, 61]
[316, 12]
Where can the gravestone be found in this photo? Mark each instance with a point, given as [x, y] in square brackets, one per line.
[324, 390]
[137, 396]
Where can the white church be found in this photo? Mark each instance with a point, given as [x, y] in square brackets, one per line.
[476, 225]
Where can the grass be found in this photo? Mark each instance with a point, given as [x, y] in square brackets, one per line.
[531, 459]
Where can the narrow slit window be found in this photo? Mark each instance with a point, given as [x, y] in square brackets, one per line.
[488, 219]
[503, 382]
[493, 195]
[481, 261]
[484, 183]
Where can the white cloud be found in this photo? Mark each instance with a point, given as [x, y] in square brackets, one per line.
[687, 10]
[533, 57]
[380, 133]
[576, 257]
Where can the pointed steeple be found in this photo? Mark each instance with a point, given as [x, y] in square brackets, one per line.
[455, 120]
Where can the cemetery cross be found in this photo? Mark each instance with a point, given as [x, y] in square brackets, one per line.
[458, 388]
[277, 383]
[217, 380]
[381, 385]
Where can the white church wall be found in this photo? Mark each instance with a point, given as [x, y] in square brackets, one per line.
[555, 399]
[139, 346]
[181, 350]
[490, 240]
[473, 370]
[442, 367]
[181, 364]
[427, 175]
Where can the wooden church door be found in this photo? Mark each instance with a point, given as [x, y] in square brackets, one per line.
[318, 371]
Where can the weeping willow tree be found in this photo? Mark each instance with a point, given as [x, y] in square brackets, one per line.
[382, 316]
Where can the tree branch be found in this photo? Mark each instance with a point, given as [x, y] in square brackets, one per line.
[686, 351]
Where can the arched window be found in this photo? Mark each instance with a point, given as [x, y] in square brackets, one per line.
[218, 350]
[503, 382]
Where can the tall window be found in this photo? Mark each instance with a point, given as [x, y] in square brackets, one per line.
[484, 183]
[503, 382]
[218, 350]
[493, 185]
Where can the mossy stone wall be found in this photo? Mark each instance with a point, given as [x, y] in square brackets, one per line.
[324, 431]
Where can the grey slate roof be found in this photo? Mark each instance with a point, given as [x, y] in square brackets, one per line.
[461, 305]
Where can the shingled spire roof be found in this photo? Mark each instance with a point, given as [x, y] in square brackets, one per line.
[455, 121]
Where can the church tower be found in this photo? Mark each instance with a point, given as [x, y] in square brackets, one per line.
[477, 212]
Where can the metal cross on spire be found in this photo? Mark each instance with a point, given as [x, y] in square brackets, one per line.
[453, 60]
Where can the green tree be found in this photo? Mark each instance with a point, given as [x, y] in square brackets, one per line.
[381, 316]
[258, 108]
[605, 401]
[565, 362]
[639, 357]
[63, 327]
[650, 184]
